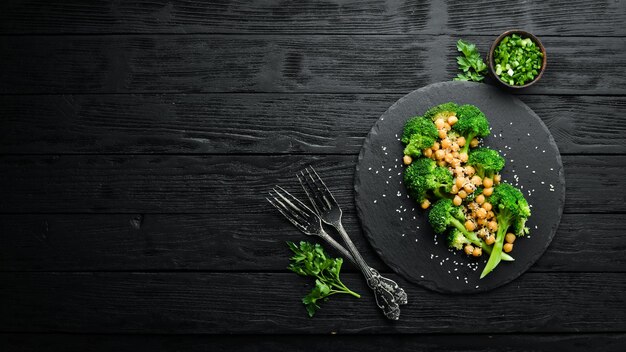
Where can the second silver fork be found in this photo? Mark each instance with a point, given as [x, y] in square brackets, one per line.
[387, 292]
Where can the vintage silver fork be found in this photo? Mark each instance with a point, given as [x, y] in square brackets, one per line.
[387, 292]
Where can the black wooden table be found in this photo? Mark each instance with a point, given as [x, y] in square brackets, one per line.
[138, 140]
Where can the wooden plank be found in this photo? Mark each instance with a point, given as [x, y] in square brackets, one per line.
[345, 16]
[286, 63]
[177, 303]
[258, 123]
[294, 343]
[227, 184]
[241, 242]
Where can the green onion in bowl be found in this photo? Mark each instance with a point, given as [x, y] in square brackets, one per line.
[518, 60]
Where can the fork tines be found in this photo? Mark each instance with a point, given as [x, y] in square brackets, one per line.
[293, 209]
[316, 190]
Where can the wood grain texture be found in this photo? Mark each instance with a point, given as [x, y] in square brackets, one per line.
[229, 184]
[315, 63]
[317, 16]
[299, 343]
[251, 242]
[258, 123]
[270, 303]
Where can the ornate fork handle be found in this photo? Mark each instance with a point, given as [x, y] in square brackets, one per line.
[385, 290]
[385, 295]
[391, 286]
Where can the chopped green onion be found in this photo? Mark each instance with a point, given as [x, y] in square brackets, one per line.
[518, 60]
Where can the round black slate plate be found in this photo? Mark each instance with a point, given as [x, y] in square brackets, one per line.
[398, 229]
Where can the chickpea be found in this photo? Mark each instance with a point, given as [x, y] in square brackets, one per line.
[452, 120]
[480, 199]
[435, 146]
[469, 170]
[439, 154]
[487, 206]
[474, 143]
[509, 238]
[455, 162]
[487, 182]
[482, 222]
[469, 249]
[469, 225]
[441, 163]
[460, 141]
[458, 170]
[481, 213]
[490, 240]
[445, 144]
[477, 181]
[488, 191]
[508, 247]
[469, 188]
[455, 147]
[463, 157]
[456, 155]
[428, 152]
[425, 204]
[462, 194]
[443, 134]
[454, 189]
[447, 127]
[482, 233]
[449, 158]
[459, 182]
[492, 226]
[439, 123]
[490, 214]
[457, 200]
[497, 178]
[407, 160]
[477, 252]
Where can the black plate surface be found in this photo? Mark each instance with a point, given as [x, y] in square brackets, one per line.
[398, 229]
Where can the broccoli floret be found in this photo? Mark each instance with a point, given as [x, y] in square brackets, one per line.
[443, 111]
[424, 180]
[472, 123]
[419, 133]
[512, 210]
[444, 215]
[486, 162]
[457, 240]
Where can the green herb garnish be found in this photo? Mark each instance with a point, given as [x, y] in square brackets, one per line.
[311, 260]
[470, 63]
[518, 60]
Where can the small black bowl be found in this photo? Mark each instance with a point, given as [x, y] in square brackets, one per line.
[523, 34]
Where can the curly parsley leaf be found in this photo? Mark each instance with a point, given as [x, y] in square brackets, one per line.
[311, 260]
[470, 63]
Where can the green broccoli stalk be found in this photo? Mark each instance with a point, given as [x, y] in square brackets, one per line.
[443, 215]
[424, 179]
[512, 210]
[442, 111]
[419, 133]
[472, 123]
[487, 162]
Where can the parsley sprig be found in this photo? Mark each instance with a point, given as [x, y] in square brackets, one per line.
[311, 260]
[470, 62]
